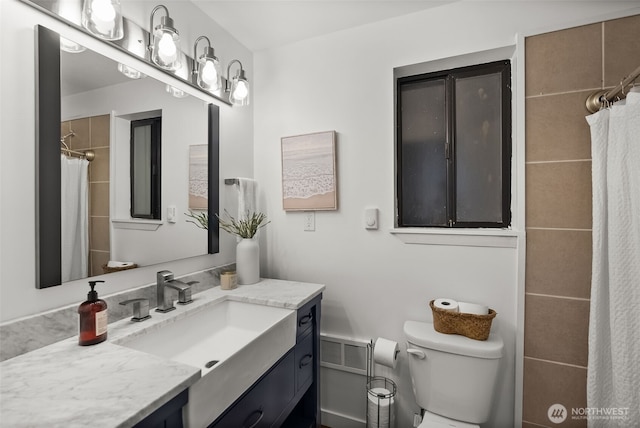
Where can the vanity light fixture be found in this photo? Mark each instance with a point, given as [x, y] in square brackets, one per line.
[178, 93]
[206, 68]
[70, 46]
[183, 74]
[71, 10]
[130, 72]
[163, 42]
[103, 18]
[238, 86]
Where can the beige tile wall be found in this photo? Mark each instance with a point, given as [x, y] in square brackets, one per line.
[93, 133]
[562, 69]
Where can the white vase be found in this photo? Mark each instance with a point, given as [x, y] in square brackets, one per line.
[248, 261]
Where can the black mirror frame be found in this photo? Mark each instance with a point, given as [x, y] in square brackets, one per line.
[48, 174]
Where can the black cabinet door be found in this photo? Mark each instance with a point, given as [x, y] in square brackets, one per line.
[264, 403]
[304, 362]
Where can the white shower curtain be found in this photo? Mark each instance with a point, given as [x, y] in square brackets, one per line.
[75, 218]
[613, 383]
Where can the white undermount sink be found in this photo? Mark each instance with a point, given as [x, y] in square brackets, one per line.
[233, 343]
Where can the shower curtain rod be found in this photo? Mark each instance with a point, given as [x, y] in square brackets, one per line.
[88, 155]
[600, 98]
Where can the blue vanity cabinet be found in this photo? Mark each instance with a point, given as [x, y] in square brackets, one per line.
[288, 394]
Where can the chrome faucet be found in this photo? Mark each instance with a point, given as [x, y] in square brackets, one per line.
[165, 302]
[140, 309]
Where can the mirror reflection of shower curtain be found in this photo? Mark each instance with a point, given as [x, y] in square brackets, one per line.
[75, 218]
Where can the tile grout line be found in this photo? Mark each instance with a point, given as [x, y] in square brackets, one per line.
[554, 296]
[575, 91]
[602, 65]
[569, 229]
[555, 362]
[557, 161]
[535, 424]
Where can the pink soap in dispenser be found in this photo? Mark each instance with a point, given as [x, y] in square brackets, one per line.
[93, 318]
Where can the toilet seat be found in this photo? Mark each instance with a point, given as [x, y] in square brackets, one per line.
[431, 420]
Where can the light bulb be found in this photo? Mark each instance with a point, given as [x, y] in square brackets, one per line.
[166, 45]
[70, 10]
[103, 18]
[103, 10]
[103, 15]
[167, 48]
[209, 73]
[241, 90]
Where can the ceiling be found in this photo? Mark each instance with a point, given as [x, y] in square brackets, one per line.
[266, 24]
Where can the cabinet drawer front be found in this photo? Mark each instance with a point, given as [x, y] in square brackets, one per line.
[265, 401]
[304, 361]
[306, 319]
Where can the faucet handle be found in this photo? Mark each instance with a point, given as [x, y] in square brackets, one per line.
[140, 308]
[184, 296]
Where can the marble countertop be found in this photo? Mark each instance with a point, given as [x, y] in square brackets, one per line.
[107, 385]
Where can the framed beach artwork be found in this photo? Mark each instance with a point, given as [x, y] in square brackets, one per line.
[309, 172]
[198, 177]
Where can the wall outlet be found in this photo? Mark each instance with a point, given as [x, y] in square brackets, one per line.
[310, 221]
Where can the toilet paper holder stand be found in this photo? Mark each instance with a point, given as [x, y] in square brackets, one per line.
[380, 396]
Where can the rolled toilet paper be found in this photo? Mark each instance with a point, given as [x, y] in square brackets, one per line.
[472, 308]
[386, 352]
[448, 305]
[380, 408]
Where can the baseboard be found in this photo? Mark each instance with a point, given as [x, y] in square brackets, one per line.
[337, 420]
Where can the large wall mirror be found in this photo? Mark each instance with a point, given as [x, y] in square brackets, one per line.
[86, 105]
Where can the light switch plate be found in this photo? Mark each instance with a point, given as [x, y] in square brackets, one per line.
[371, 218]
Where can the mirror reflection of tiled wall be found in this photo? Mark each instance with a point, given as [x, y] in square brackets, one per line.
[562, 69]
[93, 133]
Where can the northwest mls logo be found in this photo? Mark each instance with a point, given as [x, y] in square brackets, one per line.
[557, 413]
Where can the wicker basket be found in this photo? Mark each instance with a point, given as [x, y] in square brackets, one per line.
[109, 269]
[473, 326]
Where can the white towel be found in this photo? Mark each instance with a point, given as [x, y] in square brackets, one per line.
[247, 196]
[613, 380]
[115, 264]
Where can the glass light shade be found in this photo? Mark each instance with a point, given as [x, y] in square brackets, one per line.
[178, 93]
[71, 47]
[71, 10]
[103, 18]
[239, 95]
[164, 51]
[131, 73]
[208, 73]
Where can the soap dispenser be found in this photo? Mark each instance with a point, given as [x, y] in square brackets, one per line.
[93, 318]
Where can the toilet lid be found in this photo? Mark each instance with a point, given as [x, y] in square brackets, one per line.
[431, 420]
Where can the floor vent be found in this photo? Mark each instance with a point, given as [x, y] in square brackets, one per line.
[343, 354]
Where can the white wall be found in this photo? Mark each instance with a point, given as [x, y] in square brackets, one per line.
[18, 295]
[170, 241]
[343, 82]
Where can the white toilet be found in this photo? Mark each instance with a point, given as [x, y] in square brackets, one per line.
[454, 378]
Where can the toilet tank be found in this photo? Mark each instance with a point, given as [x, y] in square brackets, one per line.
[452, 375]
